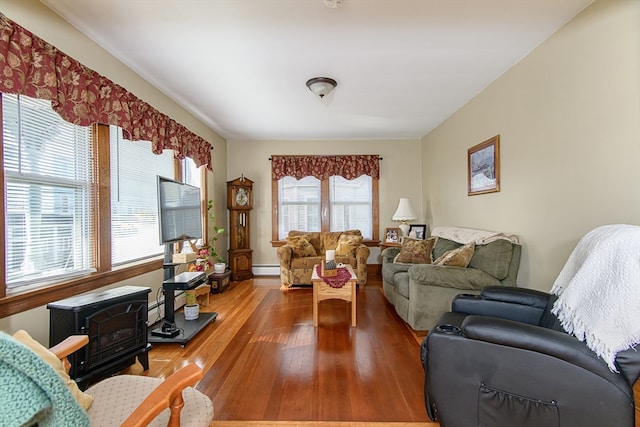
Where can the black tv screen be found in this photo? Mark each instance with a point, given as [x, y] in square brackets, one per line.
[179, 211]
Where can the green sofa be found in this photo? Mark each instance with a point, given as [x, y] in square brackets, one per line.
[421, 293]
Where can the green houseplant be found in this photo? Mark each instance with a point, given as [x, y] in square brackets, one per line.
[214, 234]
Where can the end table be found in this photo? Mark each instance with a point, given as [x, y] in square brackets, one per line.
[219, 281]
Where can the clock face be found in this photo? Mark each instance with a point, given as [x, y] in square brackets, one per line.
[241, 197]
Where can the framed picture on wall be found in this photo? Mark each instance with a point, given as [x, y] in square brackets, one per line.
[483, 167]
[417, 231]
[392, 235]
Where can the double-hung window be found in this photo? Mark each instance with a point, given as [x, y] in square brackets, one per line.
[48, 172]
[298, 205]
[325, 203]
[134, 198]
[351, 204]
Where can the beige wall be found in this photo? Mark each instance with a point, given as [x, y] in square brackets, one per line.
[568, 116]
[399, 177]
[40, 20]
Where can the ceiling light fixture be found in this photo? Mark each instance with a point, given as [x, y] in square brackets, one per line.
[333, 3]
[321, 86]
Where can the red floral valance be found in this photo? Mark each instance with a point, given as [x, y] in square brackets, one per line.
[30, 66]
[323, 167]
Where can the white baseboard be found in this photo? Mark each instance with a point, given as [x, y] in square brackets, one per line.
[266, 270]
[156, 308]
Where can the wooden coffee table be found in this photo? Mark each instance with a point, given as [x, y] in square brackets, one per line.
[322, 291]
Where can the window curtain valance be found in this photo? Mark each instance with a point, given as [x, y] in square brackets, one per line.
[323, 167]
[32, 67]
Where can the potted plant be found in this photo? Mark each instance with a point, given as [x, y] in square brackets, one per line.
[191, 309]
[215, 231]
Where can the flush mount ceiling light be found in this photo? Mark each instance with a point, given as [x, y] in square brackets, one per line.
[321, 86]
[333, 3]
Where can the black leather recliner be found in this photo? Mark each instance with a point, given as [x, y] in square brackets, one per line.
[501, 359]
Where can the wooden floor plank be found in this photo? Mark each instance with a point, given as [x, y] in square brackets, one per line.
[264, 360]
[237, 304]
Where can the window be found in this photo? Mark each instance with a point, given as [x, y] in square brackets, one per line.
[351, 205]
[79, 200]
[134, 201]
[299, 205]
[193, 175]
[334, 204]
[48, 180]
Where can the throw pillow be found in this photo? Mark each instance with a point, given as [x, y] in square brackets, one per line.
[415, 251]
[459, 257]
[347, 245]
[23, 337]
[301, 246]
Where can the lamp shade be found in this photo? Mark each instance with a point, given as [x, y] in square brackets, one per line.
[404, 211]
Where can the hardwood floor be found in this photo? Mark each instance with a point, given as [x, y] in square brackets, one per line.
[235, 307]
[265, 362]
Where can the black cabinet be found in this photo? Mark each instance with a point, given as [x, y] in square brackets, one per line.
[115, 321]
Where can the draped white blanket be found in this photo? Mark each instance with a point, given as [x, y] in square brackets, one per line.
[599, 291]
[466, 235]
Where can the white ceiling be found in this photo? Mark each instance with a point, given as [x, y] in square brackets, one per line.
[402, 66]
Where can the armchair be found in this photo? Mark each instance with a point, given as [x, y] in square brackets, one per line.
[304, 249]
[33, 390]
[502, 359]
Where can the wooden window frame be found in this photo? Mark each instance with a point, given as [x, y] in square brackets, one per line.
[27, 299]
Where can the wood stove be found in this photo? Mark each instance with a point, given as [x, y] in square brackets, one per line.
[115, 321]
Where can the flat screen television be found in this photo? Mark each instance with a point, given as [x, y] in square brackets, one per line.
[179, 211]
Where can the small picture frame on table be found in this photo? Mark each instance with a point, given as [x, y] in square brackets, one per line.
[417, 231]
[392, 235]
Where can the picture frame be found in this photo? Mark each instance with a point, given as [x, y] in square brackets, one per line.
[392, 235]
[419, 229]
[483, 167]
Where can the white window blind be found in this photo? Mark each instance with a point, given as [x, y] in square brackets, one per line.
[134, 197]
[192, 175]
[351, 204]
[48, 176]
[299, 205]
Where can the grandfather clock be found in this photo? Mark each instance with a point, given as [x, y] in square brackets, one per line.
[239, 203]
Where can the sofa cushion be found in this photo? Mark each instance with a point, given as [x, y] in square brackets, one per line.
[451, 277]
[312, 236]
[301, 247]
[494, 258]
[307, 262]
[329, 240]
[415, 251]
[459, 257]
[347, 244]
[443, 245]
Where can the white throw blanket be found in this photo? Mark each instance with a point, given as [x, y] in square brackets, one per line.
[599, 291]
[466, 235]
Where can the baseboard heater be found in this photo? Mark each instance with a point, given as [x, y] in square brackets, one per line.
[266, 270]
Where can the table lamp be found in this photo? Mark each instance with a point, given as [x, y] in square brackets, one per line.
[404, 213]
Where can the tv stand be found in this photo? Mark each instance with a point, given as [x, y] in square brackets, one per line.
[175, 329]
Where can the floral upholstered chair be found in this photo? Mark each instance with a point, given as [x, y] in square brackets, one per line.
[303, 250]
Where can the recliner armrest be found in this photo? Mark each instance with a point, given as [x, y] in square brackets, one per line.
[514, 295]
[505, 302]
